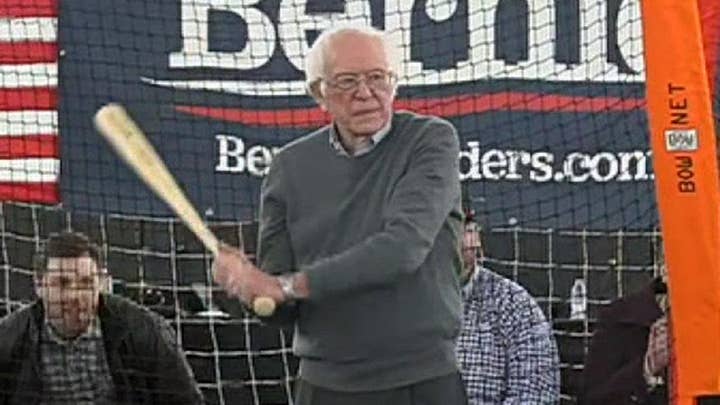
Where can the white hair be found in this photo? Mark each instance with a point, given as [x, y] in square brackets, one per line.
[315, 61]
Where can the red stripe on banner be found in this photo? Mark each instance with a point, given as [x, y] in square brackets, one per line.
[534, 102]
[29, 146]
[45, 193]
[28, 52]
[451, 106]
[710, 24]
[28, 8]
[38, 98]
[300, 117]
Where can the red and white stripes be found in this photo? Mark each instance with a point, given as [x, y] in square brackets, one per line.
[29, 145]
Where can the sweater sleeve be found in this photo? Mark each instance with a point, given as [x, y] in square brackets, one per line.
[420, 203]
[275, 254]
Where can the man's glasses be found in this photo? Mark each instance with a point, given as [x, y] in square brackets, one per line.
[376, 80]
[72, 282]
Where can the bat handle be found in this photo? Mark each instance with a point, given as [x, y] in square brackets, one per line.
[264, 306]
[209, 240]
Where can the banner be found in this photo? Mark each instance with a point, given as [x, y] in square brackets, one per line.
[547, 97]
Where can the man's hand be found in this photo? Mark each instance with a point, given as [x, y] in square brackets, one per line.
[234, 272]
[657, 356]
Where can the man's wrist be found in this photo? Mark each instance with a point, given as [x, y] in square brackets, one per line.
[294, 285]
[287, 285]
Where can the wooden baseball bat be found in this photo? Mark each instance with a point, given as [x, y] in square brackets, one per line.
[131, 144]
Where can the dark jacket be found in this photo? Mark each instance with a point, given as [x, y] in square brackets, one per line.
[614, 367]
[145, 363]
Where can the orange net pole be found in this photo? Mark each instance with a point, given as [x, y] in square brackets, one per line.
[688, 193]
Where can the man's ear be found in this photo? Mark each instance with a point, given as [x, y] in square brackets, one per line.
[315, 91]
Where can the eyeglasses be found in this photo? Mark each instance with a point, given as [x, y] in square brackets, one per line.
[376, 80]
[57, 279]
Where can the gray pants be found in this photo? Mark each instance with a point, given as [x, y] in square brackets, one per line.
[446, 390]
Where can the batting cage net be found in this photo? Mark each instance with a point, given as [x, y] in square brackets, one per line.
[547, 97]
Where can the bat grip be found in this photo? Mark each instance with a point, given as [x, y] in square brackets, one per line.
[262, 306]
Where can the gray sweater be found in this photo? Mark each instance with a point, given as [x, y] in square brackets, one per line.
[378, 236]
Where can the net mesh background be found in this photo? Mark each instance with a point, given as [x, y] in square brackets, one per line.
[156, 261]
[547, 98]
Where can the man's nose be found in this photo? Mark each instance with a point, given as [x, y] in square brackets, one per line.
[71, 296]
[363, 90]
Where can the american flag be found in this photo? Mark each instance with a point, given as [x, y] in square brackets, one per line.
[29, 145]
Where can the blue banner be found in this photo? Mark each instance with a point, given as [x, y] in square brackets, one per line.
[548, 99]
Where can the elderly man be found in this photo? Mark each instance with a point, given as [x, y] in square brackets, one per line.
[359, 235]
[506, 350]
[76, 345]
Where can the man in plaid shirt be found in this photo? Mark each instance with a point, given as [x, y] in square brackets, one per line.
[506, 350]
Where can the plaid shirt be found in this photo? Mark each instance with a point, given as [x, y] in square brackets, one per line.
[506, 350]
[74, 371]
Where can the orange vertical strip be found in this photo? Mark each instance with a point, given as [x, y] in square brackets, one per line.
[688, 189]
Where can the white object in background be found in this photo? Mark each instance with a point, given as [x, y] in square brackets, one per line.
[578, 300]
[108, 287]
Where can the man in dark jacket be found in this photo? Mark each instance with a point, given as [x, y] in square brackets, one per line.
[78, 345]
[629, 351]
